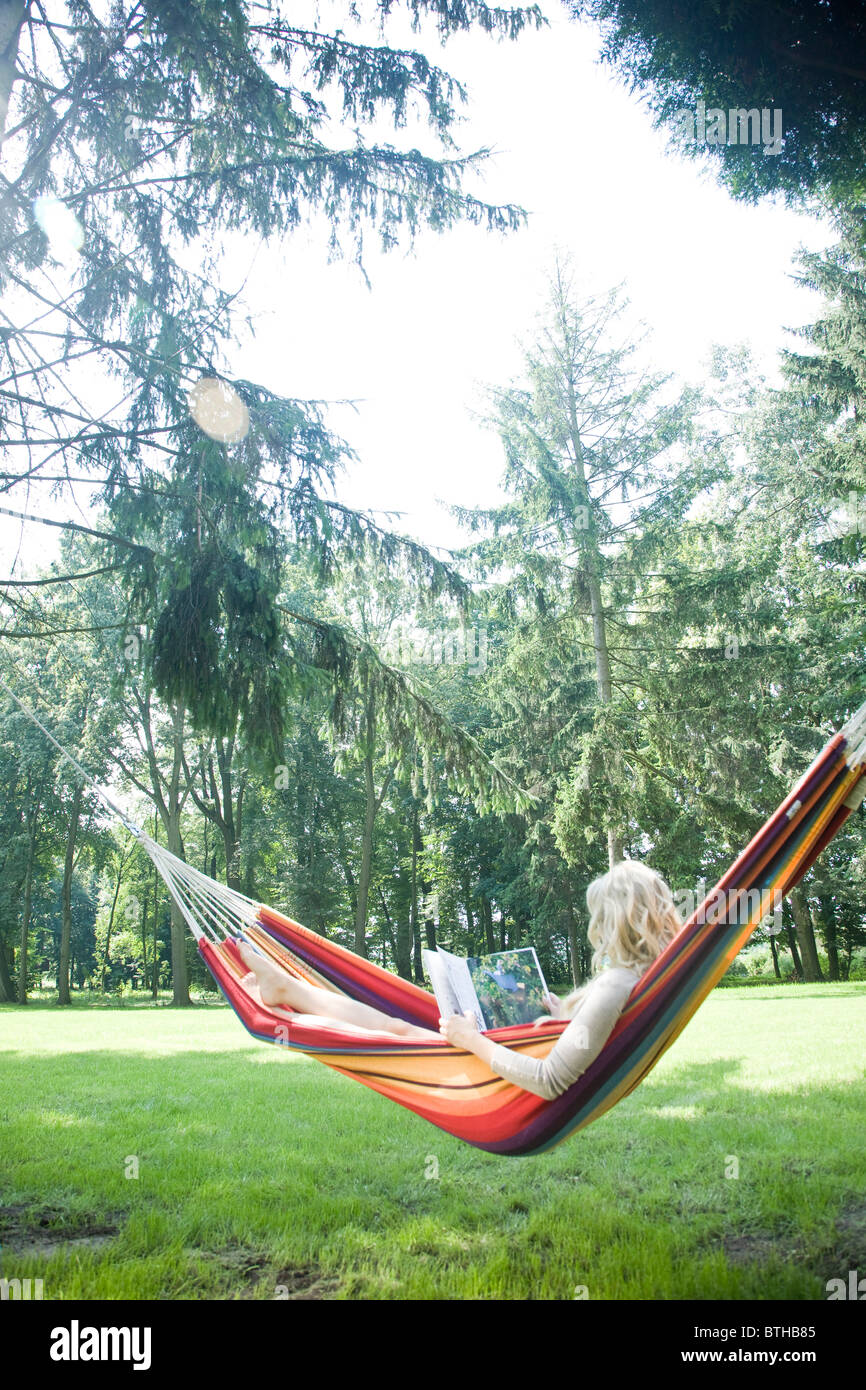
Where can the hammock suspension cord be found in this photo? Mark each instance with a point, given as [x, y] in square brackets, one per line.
[447, 1086]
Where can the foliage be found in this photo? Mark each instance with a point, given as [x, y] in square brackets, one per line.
[802, 58]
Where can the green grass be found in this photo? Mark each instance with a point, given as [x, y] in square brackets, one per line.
[259, 1168]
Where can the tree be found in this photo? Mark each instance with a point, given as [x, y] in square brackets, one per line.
[53, 820]
[592, 467]
[139, 135]
[135, 137]
[802, 58]
[117, 863]
[384, 721]
[828, 379]
[31, 806]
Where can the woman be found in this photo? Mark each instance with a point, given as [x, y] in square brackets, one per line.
[631, 919]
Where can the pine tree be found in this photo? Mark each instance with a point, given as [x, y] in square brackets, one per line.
[592, 468]
[800, 58]
[132, 141]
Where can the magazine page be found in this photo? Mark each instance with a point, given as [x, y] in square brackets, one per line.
[509, 986]
[464, 989]
[440, 981]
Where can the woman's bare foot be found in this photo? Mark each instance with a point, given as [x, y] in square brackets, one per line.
[274, 985]
[277, 988]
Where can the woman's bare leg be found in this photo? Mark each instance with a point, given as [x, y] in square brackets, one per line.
[277, 987]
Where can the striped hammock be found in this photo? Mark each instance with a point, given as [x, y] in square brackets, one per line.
[452, 1088]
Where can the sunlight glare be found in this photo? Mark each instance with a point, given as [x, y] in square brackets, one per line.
[62, 228]
[219, 411]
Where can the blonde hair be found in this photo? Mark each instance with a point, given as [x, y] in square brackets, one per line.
[632, 918]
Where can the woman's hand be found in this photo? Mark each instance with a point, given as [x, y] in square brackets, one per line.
[461, 1030]
[552, 1004]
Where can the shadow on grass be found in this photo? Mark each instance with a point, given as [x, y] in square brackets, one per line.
[245, 1155]
[845, 989]
[107, 1003]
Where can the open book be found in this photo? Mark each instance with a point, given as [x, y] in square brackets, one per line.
[500, 989]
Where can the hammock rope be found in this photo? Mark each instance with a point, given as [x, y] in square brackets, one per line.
[452, 1088]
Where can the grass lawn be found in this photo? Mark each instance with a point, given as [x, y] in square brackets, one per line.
[262, 1174]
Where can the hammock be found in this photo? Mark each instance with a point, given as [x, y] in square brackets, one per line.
[452, 1088]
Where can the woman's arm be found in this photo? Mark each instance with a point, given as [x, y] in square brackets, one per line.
[578, 1046]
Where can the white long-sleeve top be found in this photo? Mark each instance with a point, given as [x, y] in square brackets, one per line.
[587, 1032]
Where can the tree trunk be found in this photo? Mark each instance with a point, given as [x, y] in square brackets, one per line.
[63, 996]
[828, 926]
[25, 928]
[389, 929]
[414, 917]
[573, 948]
[7, 988]
[487, 918]
[217, 805]
[374, 801]
[154, 965]
[775, 954]
[179, 973]
[347, 871]
[848, 939]
[605, 688]
[233, 816]
[169, 800]
[587, 540]
[250, 876]
[365, 874]
[430, 921]
[792, 942]
[109, 929]
[805, 936]
[417, 958]
[518, 934]
[12, 16]
[32, 817]
[585, 958]
[144, 939]
[172, 807]
[404, 941]
[470, 920]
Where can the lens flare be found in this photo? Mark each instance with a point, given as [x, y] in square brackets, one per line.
[218, 410]
[62, 228]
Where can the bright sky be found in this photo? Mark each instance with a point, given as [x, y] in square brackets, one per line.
[579, 153]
